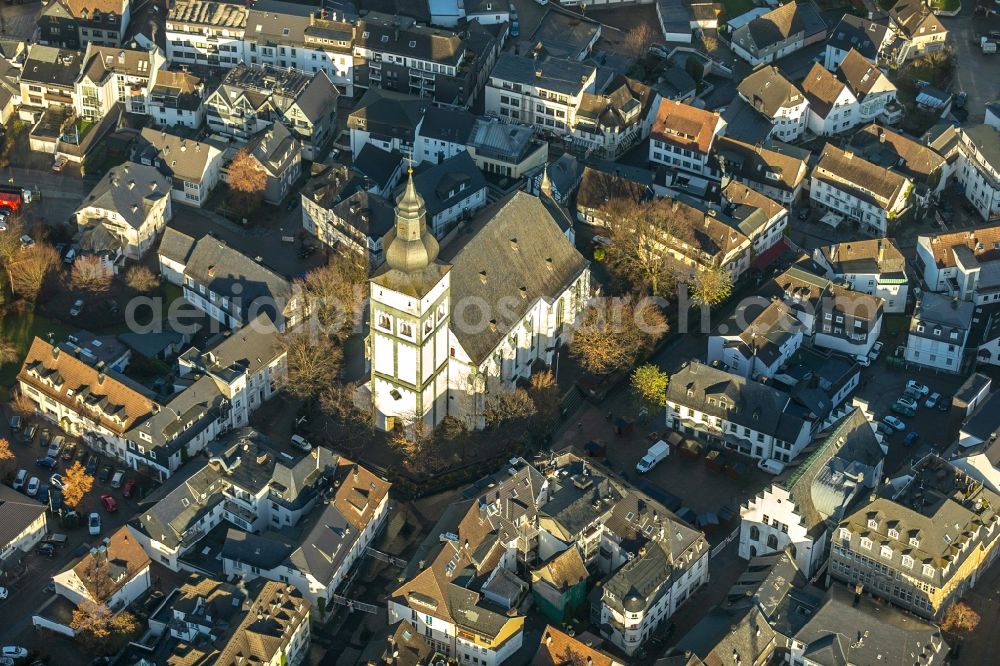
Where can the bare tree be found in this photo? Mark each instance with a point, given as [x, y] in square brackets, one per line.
[313, 362]
[247, 181]
[336, 293]
[101, 631]
[637, 40]
[641, 235]
[141, 278]
[10, 240]
[30, 268]
[90, 275]
[508, 406]
[614, 334]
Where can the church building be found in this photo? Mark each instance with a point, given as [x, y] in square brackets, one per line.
[449, 327]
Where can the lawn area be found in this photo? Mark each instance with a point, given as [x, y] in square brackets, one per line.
[734, 8]
[946, 5]
[22, 329]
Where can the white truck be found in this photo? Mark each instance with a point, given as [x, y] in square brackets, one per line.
[987, 46]
[655, 454]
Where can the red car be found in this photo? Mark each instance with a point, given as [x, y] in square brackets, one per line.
[109, 503]
[128, 488]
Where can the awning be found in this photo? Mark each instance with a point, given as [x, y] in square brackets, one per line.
[832, 219]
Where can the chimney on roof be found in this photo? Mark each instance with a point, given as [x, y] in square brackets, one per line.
[211, 270]
[881, 251]
[131, 184]
[100, 378]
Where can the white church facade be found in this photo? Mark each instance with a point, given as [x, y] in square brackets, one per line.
[451, 326]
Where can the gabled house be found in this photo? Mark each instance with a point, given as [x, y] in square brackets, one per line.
[766, 343]
[761, 219]
[224, 283]
[939, 332]
[74, 24]
[602, 195]
[801, 508]
[778, 175]
[559, 586]
[442, 133]
[778, 100]
[961, 264]
[132, 203]
[916, 31]
[24, 522]
[557, 648]
[778, 33]
[116, 574]
[386, 119]
[176, 98]
[193, 166]
[979, 168]
[114, 75]
[869, 38]
[279, 154]
[853, 188]
[682, 137]
[616, 117]
[832, 105]
[913, 159]
[875, 267]
[875, 93]
[452, 191]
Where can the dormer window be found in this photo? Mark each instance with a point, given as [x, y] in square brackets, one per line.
[915, 542]
[886, 552]
[872, 523]
[866, 543]
[907, 561]
[893, 534]
[928, 571]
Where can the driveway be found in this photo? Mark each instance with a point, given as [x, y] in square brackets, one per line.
[976, 72]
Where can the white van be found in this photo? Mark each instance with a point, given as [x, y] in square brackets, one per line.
[301, 443]
[771, 466]
[19, 480]
[117, 479]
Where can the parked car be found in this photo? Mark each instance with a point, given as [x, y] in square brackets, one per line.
[862, 360]
[876, 350]
[3, 593]
[77, 308]
[47, 549]
[909, 402]
[29, 433]
[128, 488]
[301, 443]
[917, 386]
[911, 438]
[19, 480]
[94, 524]
[56, 446]
[109, 503]
[894, 422]
[91, 465]
[69, 452]
[944, 404]
[117, 479]
[47, 463]
[903, 408]
[43, 493]
[105, 474]
[14, 652]
[33, 484]
[15, 423]
[27, 241]
[933, 400]
[515, 28]
[43, 439]
[59, 162]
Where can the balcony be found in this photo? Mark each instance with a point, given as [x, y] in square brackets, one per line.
[239, 511]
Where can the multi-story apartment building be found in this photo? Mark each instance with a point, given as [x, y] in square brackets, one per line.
[132, 204]
[194, 167]
[224, 283]
[48, 79]
[506, 149]
[199, 32]
[961, 264]
[778, 33]
[24, 521]
[452, 191]
[682, 137]
[545, 93]
[278, 154]
[777, 99]
[176, 98]
[433, 63]
[923, 542]
[794, 511]
[763, 346]
[760, 218]
[925, 167]
[979, 168]
[858, 190]
[939, 332]
[302, 37]
[875, 267]
[386, 119]
[73, 24]
[113, 75]
[746, 415]
[777, 175]
[442, 133]
[617, 116]
[252, 99]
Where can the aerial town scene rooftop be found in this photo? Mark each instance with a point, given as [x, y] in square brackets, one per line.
[499, 332]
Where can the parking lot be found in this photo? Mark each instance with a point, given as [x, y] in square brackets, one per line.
[27, 584]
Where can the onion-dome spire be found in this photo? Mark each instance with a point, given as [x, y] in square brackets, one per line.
[410, 247]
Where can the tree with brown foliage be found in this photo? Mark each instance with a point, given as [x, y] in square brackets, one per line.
[544, 392]
[507, 406]
[335, 294]
[7, 459]
[28, 270]
[710, 286]
[414, 441]
[142, 279]
[90, 275]
[960, 619]
[313, 362]
[615, 333]
[640, 233]
[638, 39]
[77, 483]
[247, 181]
[101, 631]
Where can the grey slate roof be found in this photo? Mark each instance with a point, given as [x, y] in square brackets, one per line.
[557, 74]
[450, 125]
[521, 248]
[565, 35]
[744, 123]
[378, 164]
[48, 65]
[388, 113]
[448, 183]
[129, 190]
[17, 512]
[492, 138]
[862, 35]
